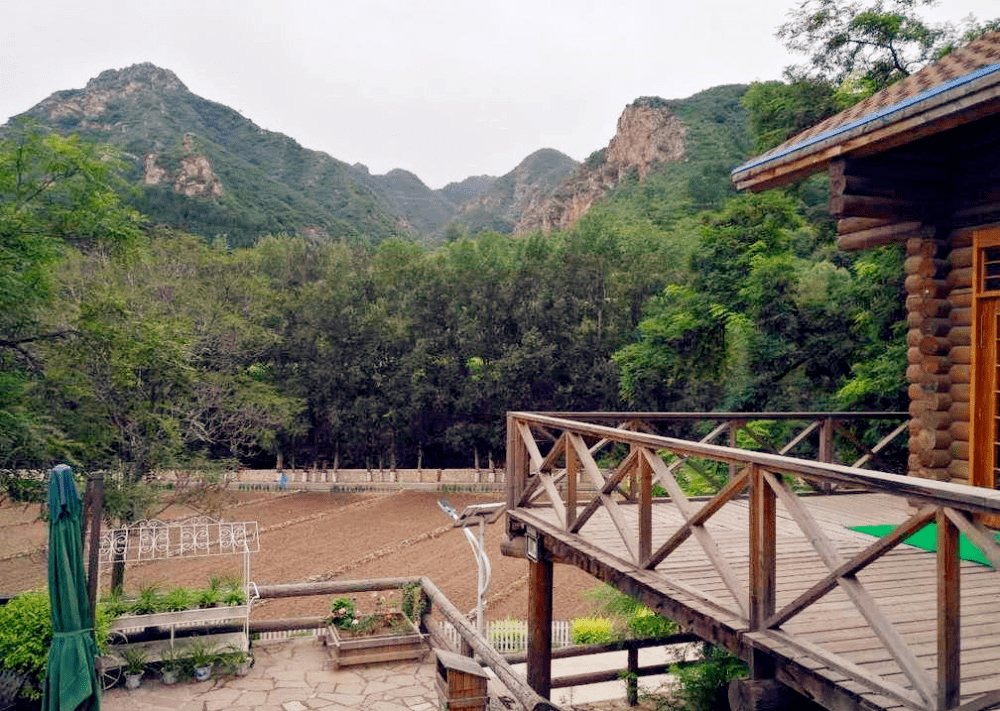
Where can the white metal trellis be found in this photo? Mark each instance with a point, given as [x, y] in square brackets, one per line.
[152, 539]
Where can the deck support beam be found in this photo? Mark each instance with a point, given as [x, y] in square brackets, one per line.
[539, 659]
[763, 550]
[949, 626]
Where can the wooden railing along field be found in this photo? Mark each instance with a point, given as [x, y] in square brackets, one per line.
[548, 456]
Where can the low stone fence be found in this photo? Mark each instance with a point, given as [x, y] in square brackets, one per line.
[376, 476]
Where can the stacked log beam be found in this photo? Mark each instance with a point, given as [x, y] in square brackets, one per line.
[883, 200]
[929, 344]
[960, 356]
[976, 187]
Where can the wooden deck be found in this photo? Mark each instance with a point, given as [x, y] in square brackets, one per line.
[852, 621]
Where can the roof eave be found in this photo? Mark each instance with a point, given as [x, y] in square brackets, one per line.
[958, 102]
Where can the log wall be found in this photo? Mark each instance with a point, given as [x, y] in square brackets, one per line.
[928, 349]
[929, 197]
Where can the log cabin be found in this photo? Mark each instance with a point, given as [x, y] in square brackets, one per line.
[918, 164]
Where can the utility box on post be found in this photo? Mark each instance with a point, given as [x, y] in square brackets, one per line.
[461, 683]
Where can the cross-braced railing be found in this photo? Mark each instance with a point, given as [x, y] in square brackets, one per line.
[550, 457]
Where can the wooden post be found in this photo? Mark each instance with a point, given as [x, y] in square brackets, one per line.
[949, 628]
[517, 463]
[826, 448]
[763, 549]
[632, 683]
[763, 567]
[539, 659]
[95, 486]
[734, 427]
[572, 474]
[645, 509]
[826, 441]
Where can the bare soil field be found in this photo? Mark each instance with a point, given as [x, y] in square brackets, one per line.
[325, 536]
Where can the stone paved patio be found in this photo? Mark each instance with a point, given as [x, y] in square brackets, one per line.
[291, 675]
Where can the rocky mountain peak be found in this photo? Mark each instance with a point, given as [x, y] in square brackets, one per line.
[144, 76]
[648, 133]
[92, 106]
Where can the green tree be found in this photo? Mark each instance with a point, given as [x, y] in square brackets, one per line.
[878, 377]
[765, 320]
[57, 197]
[777, 110]
[863, 47]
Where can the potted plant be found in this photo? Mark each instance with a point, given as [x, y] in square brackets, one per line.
[234, 660]
[148, 601]
[234, 596]
[171, 663]
[208, 597]
[203, 656]
[135, 666]
[177, 599]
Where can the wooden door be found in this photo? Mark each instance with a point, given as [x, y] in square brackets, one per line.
[984, 453]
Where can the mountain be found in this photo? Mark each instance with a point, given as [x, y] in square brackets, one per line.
[681, 148]
[501, 205]
[205, 168]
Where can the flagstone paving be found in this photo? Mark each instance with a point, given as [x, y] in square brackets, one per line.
[292, 675]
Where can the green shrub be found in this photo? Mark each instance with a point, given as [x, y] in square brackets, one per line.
[25, 636]
[102, 624]
[697, 686]
[635, 619]
[414, 602]
[115, 604]
[148, 602]
[208, 597]
[234, 596]
[643, 623]
[593, 630]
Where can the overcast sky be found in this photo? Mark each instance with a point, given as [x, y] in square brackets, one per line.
[443, 88]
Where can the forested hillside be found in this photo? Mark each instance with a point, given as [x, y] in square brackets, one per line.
[129, 348]
[128, 345]
[201, 167]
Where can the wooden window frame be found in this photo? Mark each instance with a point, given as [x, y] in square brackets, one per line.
[981, 454]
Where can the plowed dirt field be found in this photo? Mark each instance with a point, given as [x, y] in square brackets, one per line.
[326, 536]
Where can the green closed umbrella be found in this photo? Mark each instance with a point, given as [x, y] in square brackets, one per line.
[71, 680]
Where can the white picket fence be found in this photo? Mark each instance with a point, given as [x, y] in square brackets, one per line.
[508, 636]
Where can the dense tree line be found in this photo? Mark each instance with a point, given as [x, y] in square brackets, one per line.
[128, 347]
[133, 347]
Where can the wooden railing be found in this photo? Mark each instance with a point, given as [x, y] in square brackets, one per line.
[472, 643]
[831, 437]
[548, 456]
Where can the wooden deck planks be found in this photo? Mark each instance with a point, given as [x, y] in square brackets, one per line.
[903, 583]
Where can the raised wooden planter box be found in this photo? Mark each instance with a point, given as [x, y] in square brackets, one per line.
[345, 650]
[220, 614]
[110, 665]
